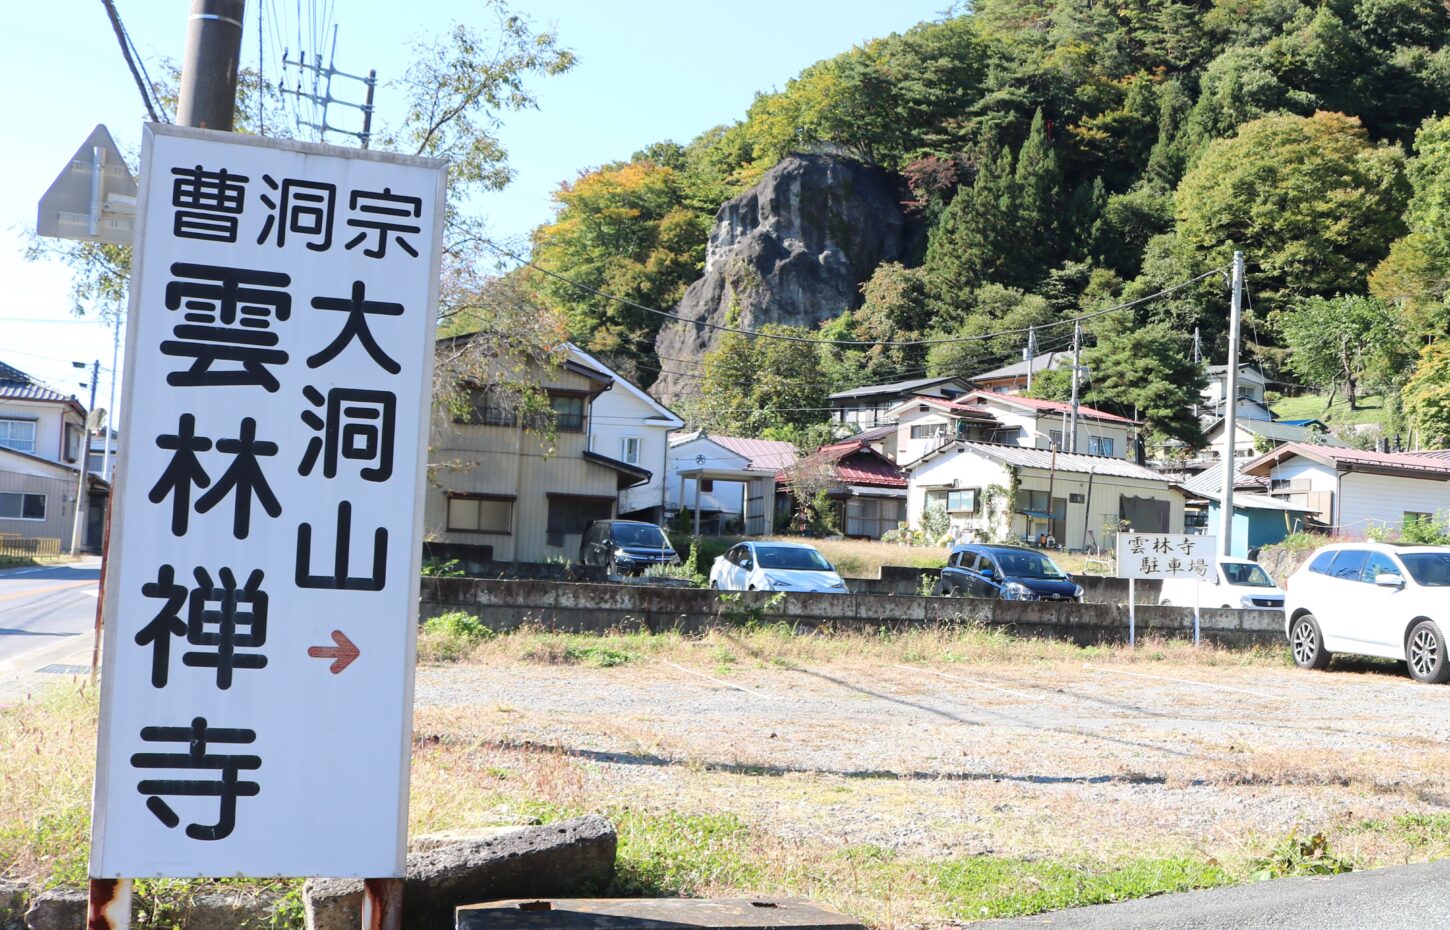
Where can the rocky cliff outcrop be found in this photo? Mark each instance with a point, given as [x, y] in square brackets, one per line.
[793, 249]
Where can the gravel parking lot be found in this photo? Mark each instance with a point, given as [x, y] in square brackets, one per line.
[1107, 756]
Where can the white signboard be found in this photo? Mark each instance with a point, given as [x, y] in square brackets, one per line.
[1165, 555]
[262, 584]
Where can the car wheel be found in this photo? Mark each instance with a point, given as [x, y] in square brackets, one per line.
[1425, 653]
[1307, 644]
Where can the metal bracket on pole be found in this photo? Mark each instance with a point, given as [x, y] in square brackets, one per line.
[382, 907]
[1132, 613]
[108, 904]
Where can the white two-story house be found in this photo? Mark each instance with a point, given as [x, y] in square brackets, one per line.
[927, 423]
[627, 424]
[42, 441]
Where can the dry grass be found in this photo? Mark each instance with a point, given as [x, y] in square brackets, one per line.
[47, 759]
[779, 645]
[863, 558]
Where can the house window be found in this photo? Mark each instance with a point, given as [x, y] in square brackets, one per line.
[1100, 445]
[1031, 501]
[17, 506]
[18, 435]
[480, 513]
[570, 515]
[1056, 436]
[871, 517]
[929, 431]
[964, 501]
[568, 412]
[1248, 392]
[1413, 517]
[630, 450]
[487, 408]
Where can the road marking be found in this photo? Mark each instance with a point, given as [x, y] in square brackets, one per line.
[34, 591]
[1182, 681]
[970, 681]
[690, 671]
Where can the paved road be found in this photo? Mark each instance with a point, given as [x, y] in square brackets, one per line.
[46, 616]
[1411, 897]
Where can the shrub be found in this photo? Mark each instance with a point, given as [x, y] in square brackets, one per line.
[451, 636]
[440, 568]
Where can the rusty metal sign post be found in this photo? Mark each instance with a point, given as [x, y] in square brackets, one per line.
[261, 590]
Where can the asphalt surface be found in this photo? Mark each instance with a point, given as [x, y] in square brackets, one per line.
[42, 608]
[1411, 897]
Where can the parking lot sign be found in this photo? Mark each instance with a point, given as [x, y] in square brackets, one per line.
[262, 583]
[1166, 555]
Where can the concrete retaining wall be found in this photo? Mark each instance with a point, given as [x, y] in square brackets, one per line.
[597, 608]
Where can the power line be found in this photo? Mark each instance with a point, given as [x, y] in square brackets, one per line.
[840, 342]
[124, 41]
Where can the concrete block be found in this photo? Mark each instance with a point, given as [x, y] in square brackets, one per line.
[13, 897]
[601, 596]
[220, 911]
[882, 607]
[653, 914]
[818, 606]
[57, 909]
[562, 858]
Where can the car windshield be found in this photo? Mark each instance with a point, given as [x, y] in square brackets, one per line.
[639, 534]
[1245, 575]
[1431, 569]
[791, 558]
[1027, 565]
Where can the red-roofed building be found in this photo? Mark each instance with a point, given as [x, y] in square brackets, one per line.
[868, 489]
[1353, 491]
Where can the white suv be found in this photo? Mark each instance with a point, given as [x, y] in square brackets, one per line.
[1372, 599]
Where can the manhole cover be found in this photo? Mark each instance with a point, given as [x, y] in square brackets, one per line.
[56, 668]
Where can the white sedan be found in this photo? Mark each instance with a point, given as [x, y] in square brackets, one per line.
[1240, 584]
[775, 566]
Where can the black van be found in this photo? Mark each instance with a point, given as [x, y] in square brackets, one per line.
[626, 547]
[1011, 573]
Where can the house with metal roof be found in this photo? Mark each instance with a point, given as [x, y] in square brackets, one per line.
[866, 407]
[500, 487]
[924, 423]
[1009, 493]
[725, 483]
[1259, 519]
[867, 489]
[1016, 377]
[1252, 435]
[1354, 491]
[42, 447]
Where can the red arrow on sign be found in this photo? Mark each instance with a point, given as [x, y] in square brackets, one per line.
[342, 654]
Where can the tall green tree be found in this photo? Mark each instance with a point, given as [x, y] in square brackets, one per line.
[752, 386]
[1426, 397]
[1415, 276]
[1346, 342]
[1148, 372]
[625, 231]
[1311, 201]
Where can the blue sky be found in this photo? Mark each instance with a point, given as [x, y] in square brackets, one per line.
[647, 71]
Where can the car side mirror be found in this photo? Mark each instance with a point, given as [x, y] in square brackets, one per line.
[747, 564]
[1389, 580]
[988, 573]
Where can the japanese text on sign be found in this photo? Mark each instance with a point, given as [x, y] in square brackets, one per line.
[1159, 555]
[277, 371]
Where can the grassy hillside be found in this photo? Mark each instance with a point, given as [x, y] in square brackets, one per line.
[1369, 409]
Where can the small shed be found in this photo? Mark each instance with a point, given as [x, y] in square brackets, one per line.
[1259, 520]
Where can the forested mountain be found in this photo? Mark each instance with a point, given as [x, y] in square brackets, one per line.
[1062, 156]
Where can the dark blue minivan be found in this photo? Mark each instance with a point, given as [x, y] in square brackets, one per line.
[1010, 573]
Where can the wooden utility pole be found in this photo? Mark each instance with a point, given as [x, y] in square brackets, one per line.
[209, 65]
[1230, 410]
